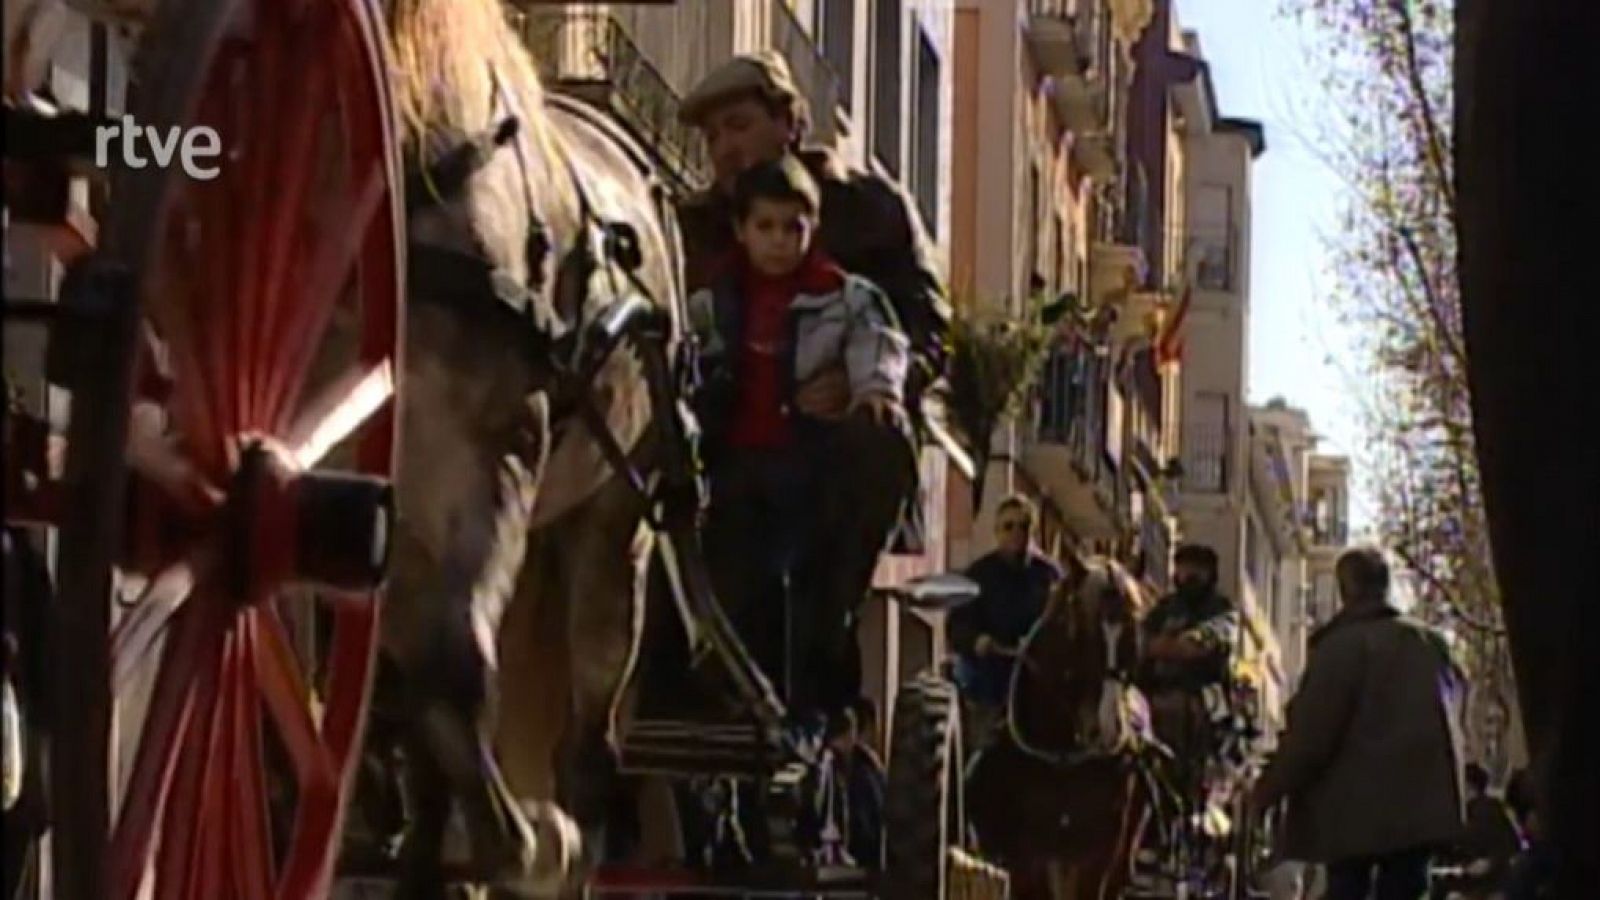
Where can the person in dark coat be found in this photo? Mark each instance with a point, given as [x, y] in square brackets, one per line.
[1370, 761]
[1491, 841]
[751, 112]
[1014, 582]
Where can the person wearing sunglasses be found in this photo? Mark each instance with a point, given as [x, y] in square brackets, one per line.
[1014, 582]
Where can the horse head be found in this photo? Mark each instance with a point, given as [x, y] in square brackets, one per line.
[1070, 696]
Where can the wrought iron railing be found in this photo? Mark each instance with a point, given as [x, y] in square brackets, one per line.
[1155, 541]
[588, 49]
[1070, 411]
[1206, 462]
[812, 72]
[1061, 9]
[1133, 219]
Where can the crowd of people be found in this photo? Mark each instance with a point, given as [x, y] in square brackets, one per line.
[1367, 780]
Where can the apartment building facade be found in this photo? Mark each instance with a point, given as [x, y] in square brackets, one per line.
[1277, 529]
[1328, 497]
[1042, 97]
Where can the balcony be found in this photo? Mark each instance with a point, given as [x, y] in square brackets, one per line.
[1096, 154]
[1053, 34]
[1066, 455]
[1115, 271]
[812, 72]
[1075, 50]
[1206, 463]
[590, 55]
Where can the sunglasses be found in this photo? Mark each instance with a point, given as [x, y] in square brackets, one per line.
[1014, 526]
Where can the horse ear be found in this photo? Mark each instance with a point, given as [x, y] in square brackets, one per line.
[1073, 570]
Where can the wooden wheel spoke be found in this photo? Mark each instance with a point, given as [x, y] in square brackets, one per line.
[196, 639]
[149, 616]
[177, 854]
[338, 411]
[309, 864]
[326, 275]
[251, 838]
[217, 785]
[288, 700]
[284, 223]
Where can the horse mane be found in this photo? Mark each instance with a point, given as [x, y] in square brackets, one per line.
[450, 56]
[1078, 567]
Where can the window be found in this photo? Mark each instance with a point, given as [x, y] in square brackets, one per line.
[1324, 602]
[1030, 227]
[1113, 421]
[1063, 255]
[888, 22]
[925, 132]
[836, 21]
[1205, 443]
[1211, 237]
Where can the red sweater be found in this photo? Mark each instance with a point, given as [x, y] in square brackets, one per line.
[760, 418]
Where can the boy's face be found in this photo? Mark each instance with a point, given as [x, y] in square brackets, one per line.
[775, 235]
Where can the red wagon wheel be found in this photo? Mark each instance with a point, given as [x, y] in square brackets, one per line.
[270, 299]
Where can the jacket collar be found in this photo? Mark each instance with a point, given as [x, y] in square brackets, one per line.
[818, 274]
[1354, 616]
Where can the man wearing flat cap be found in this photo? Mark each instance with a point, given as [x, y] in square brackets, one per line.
[751, 112]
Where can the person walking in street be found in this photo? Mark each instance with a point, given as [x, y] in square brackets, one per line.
[1492, 840]
[1370, 761]
[1014, 583]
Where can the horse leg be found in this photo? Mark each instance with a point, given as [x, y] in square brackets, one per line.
[606, 550]
[1116, 871]
[421, 856]
[440, 627]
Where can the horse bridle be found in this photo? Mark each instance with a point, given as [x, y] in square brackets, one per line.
[1110, 632]
[568, 355]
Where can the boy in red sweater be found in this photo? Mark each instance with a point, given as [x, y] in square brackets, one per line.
[780, 313]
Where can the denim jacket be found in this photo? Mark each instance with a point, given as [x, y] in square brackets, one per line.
[851, 326]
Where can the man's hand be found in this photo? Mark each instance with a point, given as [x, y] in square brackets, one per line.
[984, 645]
[826, 395]
[1174, 647]
[1259, 801]
[883, 409]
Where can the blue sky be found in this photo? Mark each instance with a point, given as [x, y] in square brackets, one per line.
[1264, 68]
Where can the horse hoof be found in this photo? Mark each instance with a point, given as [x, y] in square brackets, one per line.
[551, 854]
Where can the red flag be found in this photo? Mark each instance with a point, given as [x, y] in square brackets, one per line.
[1169, 347]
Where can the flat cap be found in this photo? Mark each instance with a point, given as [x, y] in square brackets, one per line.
[764, 72]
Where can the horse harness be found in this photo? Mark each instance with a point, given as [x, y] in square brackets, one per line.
[567, 354]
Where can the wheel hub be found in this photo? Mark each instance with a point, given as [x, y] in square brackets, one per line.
[322, 529]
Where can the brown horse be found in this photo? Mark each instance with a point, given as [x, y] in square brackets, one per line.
[1057, 796]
